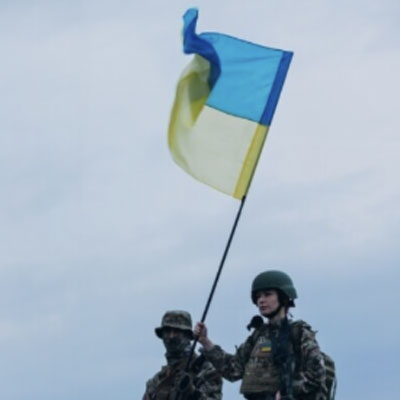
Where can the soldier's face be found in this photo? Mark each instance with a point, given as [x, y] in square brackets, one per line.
[175, 340]
[267, 301]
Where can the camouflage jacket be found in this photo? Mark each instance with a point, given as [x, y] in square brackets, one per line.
[207, 382]
[308, 365]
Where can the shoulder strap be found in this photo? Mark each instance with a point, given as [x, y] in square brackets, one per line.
[295, 334]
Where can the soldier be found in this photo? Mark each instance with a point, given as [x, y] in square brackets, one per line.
[281, 359]
[200, 382]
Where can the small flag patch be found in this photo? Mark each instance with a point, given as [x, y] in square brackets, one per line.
[265, 346]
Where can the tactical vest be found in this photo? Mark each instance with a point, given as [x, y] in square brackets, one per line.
[261, 374]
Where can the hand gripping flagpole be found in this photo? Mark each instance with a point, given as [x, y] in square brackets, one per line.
[215, 283]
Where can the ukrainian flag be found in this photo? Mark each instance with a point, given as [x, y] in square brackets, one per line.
[224, 104]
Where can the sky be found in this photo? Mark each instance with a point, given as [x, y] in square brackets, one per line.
[101, 232]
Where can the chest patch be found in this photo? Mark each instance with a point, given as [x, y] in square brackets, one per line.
[265, 346]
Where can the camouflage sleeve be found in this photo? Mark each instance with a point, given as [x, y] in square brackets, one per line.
[231, 366]
[208, 383]
[311, 375]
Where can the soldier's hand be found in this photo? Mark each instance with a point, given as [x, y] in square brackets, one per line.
[200, 332]
[278, 396]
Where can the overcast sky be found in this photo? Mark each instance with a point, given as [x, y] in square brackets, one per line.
[101, 232]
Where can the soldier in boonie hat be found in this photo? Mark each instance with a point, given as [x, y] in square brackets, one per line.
[199, 381]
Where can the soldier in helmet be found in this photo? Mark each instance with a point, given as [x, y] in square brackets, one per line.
[281, 358]
[200, 382]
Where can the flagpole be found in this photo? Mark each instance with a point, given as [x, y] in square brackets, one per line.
[217, 276]
[221, 265]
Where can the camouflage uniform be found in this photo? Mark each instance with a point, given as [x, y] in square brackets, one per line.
[261, 376]
[205, 381]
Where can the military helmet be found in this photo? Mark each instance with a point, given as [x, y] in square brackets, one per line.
[274, 279]
[176, 319]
